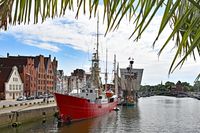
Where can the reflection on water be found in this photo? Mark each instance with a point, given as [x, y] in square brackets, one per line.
[152, 114]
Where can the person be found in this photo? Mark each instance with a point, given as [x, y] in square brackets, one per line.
[44, 99]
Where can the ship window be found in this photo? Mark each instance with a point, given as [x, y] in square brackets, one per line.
[112, 100]
[86, 94]
[100, 97]
[91, 91]
[83, 91]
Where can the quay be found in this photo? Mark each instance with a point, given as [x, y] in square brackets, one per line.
[26, 111]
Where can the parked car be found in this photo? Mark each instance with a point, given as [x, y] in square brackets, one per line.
[21, 98]
[39, 96]
[30, 98]
[50, 96]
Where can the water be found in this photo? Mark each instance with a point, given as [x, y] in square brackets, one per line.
[158, 114]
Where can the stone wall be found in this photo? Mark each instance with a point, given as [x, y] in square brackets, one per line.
[26, 115]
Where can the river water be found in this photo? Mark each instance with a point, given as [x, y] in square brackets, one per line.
[157, 114]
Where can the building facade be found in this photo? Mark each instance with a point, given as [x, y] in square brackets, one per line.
[59, 82]
[37, 72]
[14, 87]
[11, 85]
[76, 80]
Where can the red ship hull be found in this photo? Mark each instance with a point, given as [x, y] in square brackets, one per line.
[73, 108]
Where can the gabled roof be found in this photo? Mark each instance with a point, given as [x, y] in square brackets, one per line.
[47, 60]
[10, 62]
[4, 75]
[36, 61]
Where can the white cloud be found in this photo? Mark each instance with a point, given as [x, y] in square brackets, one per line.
[78, 35]
[41, 45]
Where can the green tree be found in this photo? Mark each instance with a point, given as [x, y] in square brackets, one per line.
[181, 15]
[196, 86]
[186, 86]
[169, 84]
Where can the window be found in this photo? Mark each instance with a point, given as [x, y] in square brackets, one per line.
[13, 87]
[16, 87]
[15, 79]
[10, 94]
[10, 86]
[19, 87]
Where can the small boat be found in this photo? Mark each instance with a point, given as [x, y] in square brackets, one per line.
[89, 101]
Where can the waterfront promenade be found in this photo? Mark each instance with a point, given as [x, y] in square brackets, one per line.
[24, 111]
[7, 106]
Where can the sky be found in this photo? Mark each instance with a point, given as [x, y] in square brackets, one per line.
[72, 42]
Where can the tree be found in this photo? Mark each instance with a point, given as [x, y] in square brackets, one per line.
[186, 86]
[196, 86]
[181, 15]
[169, 85]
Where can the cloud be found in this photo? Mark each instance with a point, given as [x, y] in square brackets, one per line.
[42, 45]
[79, 35]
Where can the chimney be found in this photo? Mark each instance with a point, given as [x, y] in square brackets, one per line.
[7, 55]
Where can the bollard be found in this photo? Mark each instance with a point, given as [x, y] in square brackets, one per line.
[44, 117]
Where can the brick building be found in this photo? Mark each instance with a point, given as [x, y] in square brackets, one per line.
[38, 73]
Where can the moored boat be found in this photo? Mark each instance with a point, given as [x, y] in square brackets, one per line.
[90, 101]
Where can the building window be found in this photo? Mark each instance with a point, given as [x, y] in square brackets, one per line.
[19, 87]
[10, 94]
[16, 87]
[10, 86]
[15, 79]
[13, 87]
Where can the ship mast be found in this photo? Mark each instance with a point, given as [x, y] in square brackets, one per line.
[95, 70]
[106, 73]
[115, 76]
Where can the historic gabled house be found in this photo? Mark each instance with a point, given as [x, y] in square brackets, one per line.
[11, 85]
[38, 73]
